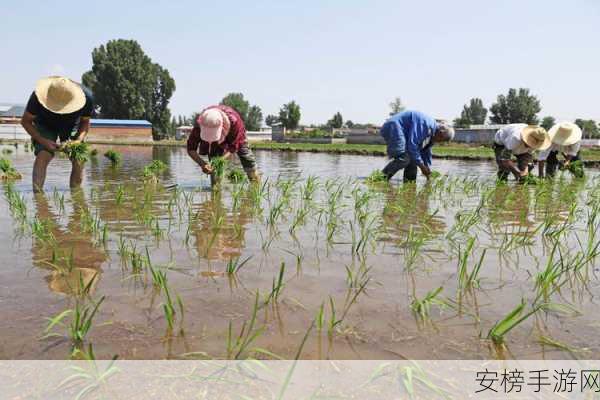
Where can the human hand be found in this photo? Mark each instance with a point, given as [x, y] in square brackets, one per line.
[207, 169]
[524, 173]
[50, 145]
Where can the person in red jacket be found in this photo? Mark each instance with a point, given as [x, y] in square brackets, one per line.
[220, 131]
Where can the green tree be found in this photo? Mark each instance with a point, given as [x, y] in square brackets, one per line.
[128, 85]
[251, 115]
[289, 115]
[547, 122]
[516, 107]
[271, 120]
[589, 127]
[254, 119]
[336, 122]
[238, 103]
[396, 106]
[349, 124]
[472, 114]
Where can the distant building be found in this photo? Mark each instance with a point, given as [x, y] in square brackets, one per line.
[183, 132]
[120, 130]
[11, 113]
[480, 134]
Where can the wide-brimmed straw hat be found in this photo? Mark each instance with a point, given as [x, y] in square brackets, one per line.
[536, 137]
[565, 133]
[211, 125]
[60, 95]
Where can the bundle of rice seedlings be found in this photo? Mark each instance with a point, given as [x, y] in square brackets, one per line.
[152, 170]
[113, 156]
[7, 171]
[218, 165]
[377, 177]
[78, 151]
[576, 168]
[236, 175]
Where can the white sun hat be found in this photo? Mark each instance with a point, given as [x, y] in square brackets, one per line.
[211, 125]
[60, 95]
[536, 137]
[565, 133]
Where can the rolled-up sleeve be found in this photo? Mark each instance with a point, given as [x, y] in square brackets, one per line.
[426, 155]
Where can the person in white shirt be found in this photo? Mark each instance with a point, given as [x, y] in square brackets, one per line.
[566, 140]
[520, 141]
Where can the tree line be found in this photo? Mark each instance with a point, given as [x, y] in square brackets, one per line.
[127, 84]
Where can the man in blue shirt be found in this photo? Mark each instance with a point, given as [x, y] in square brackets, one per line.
[409, 136]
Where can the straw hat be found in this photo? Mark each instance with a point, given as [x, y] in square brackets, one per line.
[565, 133]
[60, 95]
[536, 137]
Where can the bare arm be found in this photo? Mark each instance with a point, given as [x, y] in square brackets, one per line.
[84, 128]
[206, 168]
[27, 123]
[508, 164]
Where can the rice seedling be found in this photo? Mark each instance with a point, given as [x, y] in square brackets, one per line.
[576, 168]
[466, 280]
[309, 188]
[234, 265]
[7, 151]
[236, 175]
[356, 279]
[7, 171]
[93, 152]
[421, 307]
[41, 230]
[16, 203]
[377, 177]
[90, 379]
[277, 286]
[152, 171]
[238, 347]
[119, 195]
[81, 319]
[509, 322]
[114, 157]
[78, 151]
[218, 165]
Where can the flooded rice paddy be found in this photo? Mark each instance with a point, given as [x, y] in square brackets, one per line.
[313, 261]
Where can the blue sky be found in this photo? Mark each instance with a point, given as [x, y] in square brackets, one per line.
[348, 56]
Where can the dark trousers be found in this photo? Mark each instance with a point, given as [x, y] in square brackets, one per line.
[552, 162]
[402, 161]
[504, 154]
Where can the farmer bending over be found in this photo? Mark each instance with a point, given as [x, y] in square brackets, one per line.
[55, 107]
[519, 140]
[409, 136]
[566, 139]
[220, 131]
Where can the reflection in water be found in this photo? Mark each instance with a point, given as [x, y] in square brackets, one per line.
[407, 210]
[70, 255]
[220, 233]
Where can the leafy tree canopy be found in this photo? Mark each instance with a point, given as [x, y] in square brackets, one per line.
[128, 85]
[518, 106]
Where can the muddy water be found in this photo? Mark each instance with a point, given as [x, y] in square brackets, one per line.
[411, 245]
